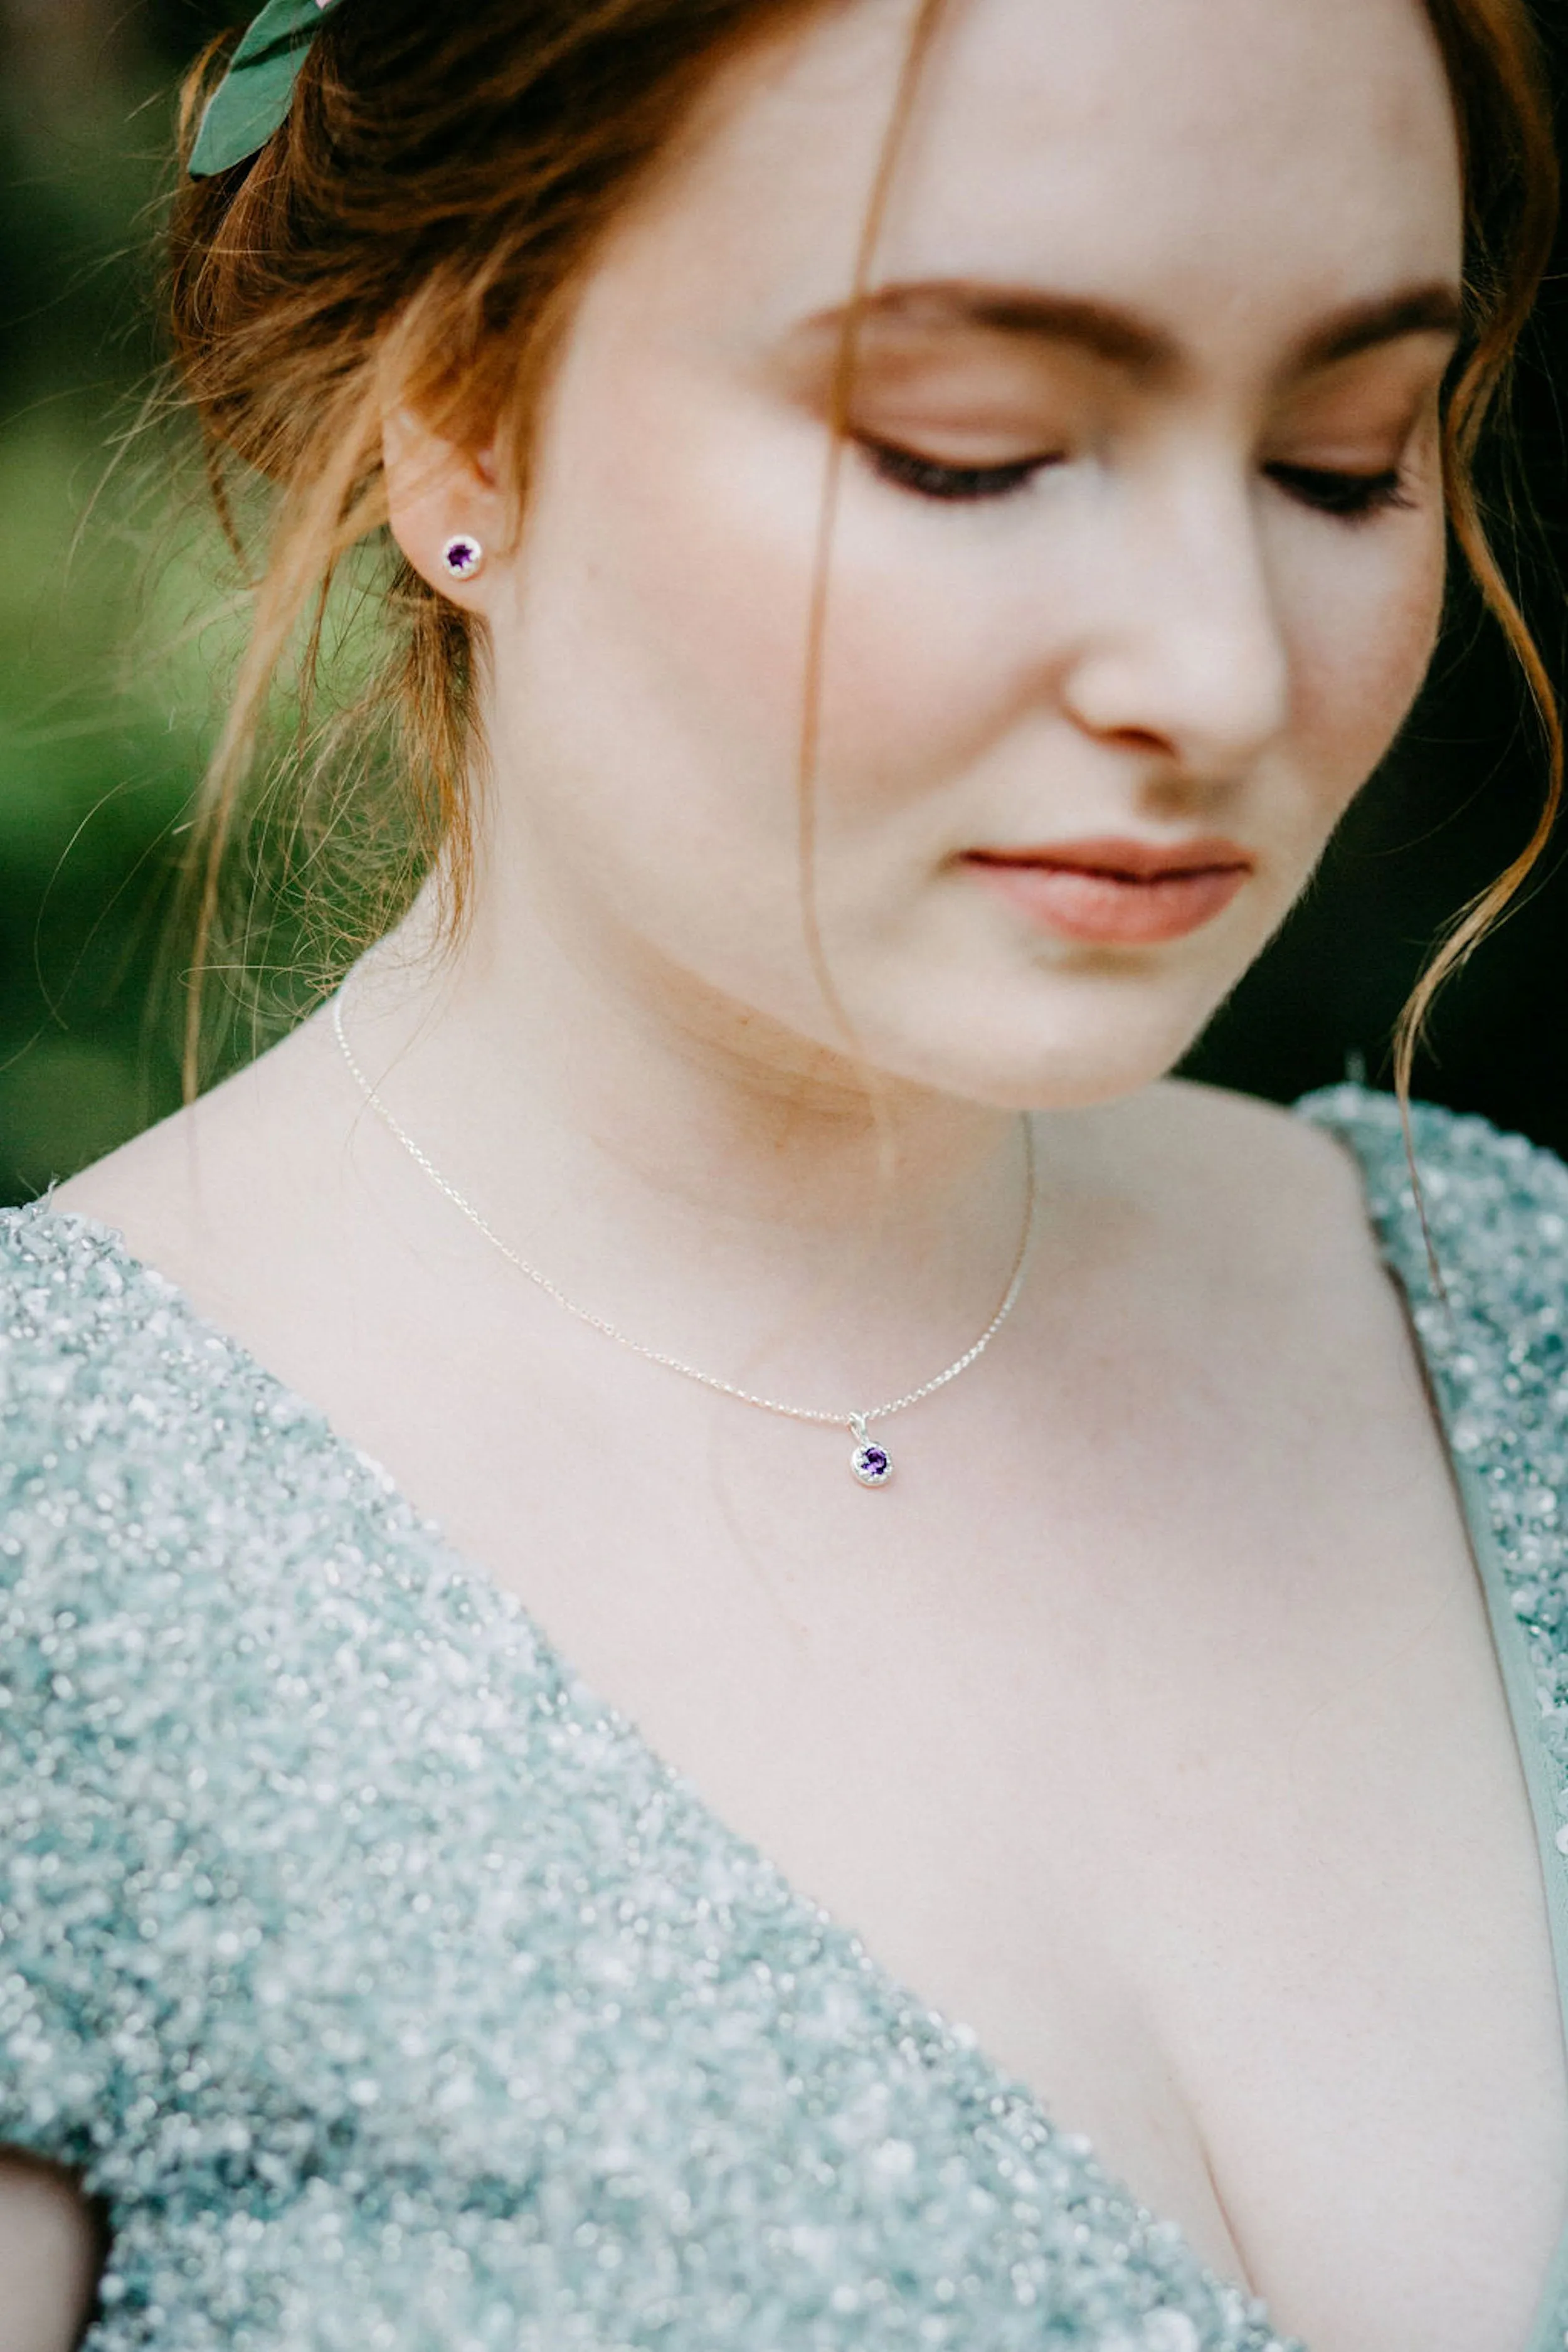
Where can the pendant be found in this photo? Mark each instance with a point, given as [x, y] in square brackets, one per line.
[871, 1465]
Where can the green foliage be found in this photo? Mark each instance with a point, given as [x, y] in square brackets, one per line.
[96, 762]
[105, 669]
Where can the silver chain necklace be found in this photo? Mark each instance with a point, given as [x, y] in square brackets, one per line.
[871, 1464]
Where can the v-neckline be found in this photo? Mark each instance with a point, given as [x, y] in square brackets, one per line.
[468, 1593]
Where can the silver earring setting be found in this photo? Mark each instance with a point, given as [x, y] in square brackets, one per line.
[463, 555]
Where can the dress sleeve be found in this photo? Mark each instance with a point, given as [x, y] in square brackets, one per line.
[85, 2011]
[1481, 1253]
[1483, 1244]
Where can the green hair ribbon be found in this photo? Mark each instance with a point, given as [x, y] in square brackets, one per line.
[254, 95]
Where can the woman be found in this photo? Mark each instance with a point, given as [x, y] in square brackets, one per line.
[1048, 405]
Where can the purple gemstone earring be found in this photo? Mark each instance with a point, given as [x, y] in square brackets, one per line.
[463, 555]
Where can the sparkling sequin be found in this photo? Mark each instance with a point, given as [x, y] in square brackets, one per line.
[397, 1999]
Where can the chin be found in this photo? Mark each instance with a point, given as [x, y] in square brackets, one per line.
[1068, 1082]
[1061, 1076]
[1090, 1042]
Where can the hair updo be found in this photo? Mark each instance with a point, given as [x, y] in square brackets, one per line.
[422, 219]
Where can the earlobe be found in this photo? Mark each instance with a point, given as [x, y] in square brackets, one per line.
[439, 499]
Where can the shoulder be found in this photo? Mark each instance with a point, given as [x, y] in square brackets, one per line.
[1493, 1205]
[1473, 1225]
[168, 1501]
[1237, 1186]
[1471, 1218]
[1471, 1222]
[1311, 1208]
[189, 1564]
[114, 1406]
[65, 1282]
[80, 1332]
[105, 1372]
[1478, 1238]
[155, 1481]
[86, 1342]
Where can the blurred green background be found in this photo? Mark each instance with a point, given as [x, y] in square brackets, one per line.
[108, 656]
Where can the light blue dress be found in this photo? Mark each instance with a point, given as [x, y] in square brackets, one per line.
[397, 1999]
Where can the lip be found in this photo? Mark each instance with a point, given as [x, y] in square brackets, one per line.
[1117, 892]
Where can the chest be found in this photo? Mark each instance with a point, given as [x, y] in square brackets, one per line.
[1149, 1722]
[1166, 1749]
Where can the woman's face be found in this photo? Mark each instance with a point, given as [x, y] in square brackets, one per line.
[1137, 555]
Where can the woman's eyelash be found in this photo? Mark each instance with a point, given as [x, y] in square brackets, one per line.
[1351, 497]
[930, 478]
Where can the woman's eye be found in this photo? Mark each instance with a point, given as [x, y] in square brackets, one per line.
[1351, 496]
[928, 478]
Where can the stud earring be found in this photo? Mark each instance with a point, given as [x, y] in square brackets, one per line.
[463, 555]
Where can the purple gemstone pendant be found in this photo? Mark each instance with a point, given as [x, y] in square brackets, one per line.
[871, 1465]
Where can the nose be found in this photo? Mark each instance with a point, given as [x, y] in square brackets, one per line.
[1180, 647]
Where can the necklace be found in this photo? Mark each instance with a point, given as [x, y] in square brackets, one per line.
[871, 1464]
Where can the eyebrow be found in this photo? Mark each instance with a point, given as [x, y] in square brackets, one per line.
[1125, 339]
[1434, 310]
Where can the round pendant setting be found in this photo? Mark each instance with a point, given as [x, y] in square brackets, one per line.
[871, 1464]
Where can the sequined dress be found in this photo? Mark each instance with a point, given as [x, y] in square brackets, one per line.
[396, 1998]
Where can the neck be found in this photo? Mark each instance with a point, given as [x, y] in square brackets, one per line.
[700, 1176]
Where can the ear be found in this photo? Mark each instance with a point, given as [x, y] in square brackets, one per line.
[436, 495]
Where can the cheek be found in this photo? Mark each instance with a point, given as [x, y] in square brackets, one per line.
[1362, 618]
[681, 529]
[649, 677]
[942, 653]
[687, 567]
[649, 682]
